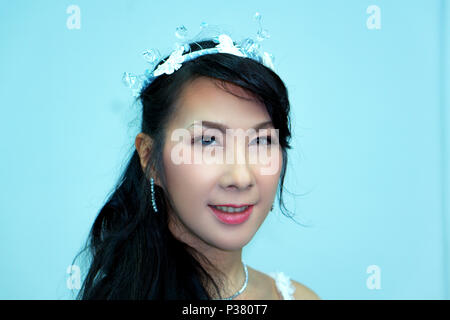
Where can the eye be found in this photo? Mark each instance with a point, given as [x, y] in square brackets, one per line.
[207, 139]
[267, 139]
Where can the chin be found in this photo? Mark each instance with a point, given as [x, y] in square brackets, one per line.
[229, 242]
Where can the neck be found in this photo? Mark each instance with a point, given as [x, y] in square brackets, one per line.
[228, 262]
[231, 265]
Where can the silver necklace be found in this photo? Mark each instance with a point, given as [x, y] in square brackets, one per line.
[243, 287]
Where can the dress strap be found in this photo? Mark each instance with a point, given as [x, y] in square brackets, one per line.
[284, 285]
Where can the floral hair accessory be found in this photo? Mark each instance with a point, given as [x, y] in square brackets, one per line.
[245, 48]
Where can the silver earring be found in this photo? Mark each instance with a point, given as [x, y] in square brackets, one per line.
[152, 187]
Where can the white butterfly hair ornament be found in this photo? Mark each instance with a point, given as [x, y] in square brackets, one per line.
[246, 48]
[226, 45]
[172, 64]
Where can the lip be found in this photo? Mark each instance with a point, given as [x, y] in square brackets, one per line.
[233, 205]
[232, 218]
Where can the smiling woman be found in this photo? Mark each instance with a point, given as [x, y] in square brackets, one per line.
[175, 230]
[219, 188]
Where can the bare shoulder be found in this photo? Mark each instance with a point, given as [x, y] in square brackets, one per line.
[263, 285]
[302, 292]
[261, 279]
[267, 290]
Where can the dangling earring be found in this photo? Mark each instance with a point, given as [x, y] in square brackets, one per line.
[152, 187]
[271, 208]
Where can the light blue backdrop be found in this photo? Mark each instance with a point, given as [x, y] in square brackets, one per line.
[371, 130]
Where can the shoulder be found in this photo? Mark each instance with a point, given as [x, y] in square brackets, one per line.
[263, 285]
[302, 292]
[266, 283]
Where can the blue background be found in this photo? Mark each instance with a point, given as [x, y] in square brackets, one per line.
[370, 110]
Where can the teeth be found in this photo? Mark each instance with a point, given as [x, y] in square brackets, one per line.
[230, 209]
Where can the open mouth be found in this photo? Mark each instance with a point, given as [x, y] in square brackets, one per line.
[231, 209]
[232, 214]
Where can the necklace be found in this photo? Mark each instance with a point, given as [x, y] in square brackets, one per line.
[243, 287]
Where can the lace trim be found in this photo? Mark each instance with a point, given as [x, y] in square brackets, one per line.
[284, 285]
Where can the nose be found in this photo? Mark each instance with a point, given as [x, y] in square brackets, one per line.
[237, 177]
[238, 173]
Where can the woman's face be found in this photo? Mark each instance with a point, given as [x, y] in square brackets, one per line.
[232, 178]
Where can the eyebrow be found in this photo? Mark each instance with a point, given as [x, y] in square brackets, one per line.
[222, 127]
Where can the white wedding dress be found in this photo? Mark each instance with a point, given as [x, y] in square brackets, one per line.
[284, 285]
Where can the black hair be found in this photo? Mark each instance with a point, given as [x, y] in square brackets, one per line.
[133, 254]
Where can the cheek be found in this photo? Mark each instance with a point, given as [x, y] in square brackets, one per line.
[269, 182]
[186, 182]
[267, 190]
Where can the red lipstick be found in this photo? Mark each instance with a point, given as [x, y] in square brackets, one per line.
[232, 205]
[232, 217]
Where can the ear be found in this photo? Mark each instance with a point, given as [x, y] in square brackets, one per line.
[143, 144]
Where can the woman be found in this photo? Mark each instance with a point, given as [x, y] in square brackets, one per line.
[171, 229]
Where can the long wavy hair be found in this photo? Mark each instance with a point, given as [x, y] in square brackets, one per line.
[132, 253]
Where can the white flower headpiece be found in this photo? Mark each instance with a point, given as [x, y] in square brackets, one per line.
[246, 48]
